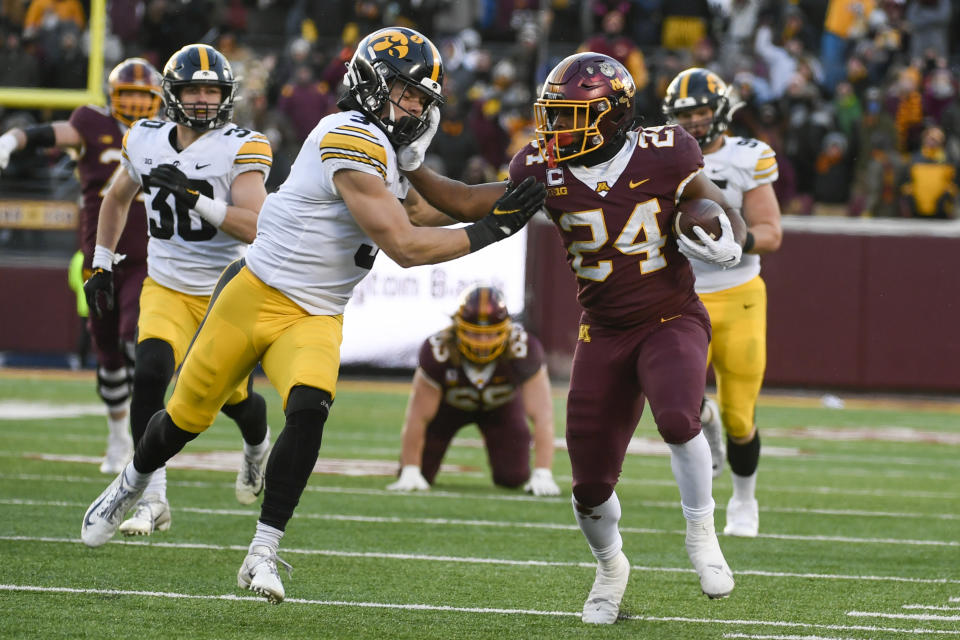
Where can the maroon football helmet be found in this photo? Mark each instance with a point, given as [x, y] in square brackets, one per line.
[482, 324]
[134, 91]
[586, 102]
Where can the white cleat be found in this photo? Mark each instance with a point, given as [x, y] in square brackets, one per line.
[258, 573]
[716, 579]
[712, 428]
[119, 453]
[103, 516]
[249, 483]
[151, 513]
[743, 518]
[603, 603]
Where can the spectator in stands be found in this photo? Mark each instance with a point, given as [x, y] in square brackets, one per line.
[929, 25]
[882, 177]
[834, 174]
[930, 190]
[19, 67]
[905, 105]
[46, 14]
[305, 101]
[875, 125]
[685, 23]
[940, 91]
[847, 110]
[845, 22]
[486, 370]
[612, 42]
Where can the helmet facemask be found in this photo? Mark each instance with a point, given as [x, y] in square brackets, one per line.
[711, 92]
[569, 128]
[198, 65]
[481, 344]
[135, 93]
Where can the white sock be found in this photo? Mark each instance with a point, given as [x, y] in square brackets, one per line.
[693, 470]
[118, 421]
[744, 487]
[256, 451]
[266, 536]
[134, 478]
[600, 527]
[158, 483]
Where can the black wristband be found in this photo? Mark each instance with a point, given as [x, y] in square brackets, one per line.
[480, 235]
[40, 135]
[748, 243]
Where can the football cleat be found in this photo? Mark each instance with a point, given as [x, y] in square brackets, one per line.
[743, 518]
[716, 579]
[712, 428]
[250, 480]
[603, 603]
[119, 453]
[258, 573]
[151, 513]
[103, 516]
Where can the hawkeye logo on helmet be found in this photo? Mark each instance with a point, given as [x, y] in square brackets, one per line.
[394, 43]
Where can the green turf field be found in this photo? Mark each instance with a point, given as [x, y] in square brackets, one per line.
[859, 534]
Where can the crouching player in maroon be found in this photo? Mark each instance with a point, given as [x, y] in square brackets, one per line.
[611, 192]
[96, 133]
[487, 370]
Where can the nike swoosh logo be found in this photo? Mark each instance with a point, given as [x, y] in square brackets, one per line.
[662, 319]
[634, 185]
[749, 306]
[202, 166]
[93, 509]
[499, 212]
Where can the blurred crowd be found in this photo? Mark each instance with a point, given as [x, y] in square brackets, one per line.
[859, 98]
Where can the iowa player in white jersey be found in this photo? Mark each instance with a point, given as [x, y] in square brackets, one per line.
[317, 237]
[736, 298]
[203, 182]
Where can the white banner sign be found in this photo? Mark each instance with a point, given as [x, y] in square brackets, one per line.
[393, 310]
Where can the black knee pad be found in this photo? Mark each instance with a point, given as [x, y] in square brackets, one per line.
[154, 364]
[593, 494]
[744, 458]
[161, 440]
[310, 398]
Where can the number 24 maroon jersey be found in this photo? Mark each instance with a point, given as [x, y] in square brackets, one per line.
[614, 220]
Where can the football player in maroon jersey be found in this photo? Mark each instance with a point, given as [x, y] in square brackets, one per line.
[487, 370]
[611, 192]
[96, 132]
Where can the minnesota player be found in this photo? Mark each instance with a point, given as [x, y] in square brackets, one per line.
[318, 235]
[736, 298]
[487, 370]
[203, 178]
[95, 133]
[611, 192]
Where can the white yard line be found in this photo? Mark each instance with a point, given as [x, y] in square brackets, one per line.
[475, 560]
[477, 610]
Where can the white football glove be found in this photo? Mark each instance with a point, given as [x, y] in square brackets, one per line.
[724, 251]
[410, 480]
[410, 156]
[8, 144]
[541, 483]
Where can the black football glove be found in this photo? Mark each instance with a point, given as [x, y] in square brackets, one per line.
[98, 290]
[514, 208]
[167, 176]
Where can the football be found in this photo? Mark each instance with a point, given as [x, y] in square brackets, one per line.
[697, 213]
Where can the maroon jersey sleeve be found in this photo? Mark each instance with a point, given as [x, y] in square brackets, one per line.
[99, 160]
[614, 221]
[434, 357]
[525, 354]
